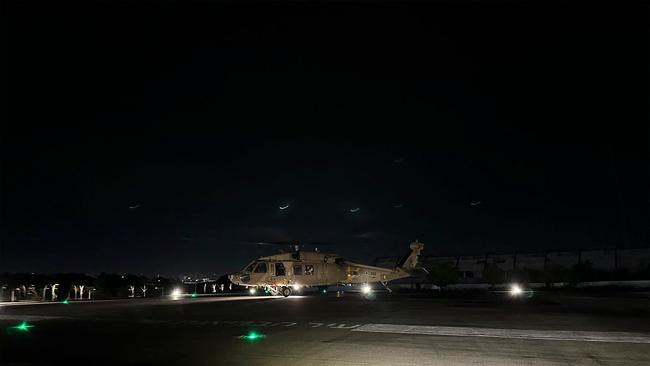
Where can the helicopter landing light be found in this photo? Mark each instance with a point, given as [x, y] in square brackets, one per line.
[515, 290]
[176, 294]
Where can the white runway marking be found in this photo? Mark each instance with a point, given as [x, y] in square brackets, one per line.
[186, 299]
[31, 303]
[31, 318]
[27, 303]
[553, 335]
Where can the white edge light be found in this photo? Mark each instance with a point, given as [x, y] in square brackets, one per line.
[252, 290]
[366, 289]
[515, 290]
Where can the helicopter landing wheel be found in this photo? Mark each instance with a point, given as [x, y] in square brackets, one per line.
[286, 291]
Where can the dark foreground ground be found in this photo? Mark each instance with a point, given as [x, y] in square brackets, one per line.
[398, 329]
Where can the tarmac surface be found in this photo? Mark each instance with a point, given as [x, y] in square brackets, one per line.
[320, 329]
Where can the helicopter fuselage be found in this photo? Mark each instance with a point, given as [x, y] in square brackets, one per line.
[303, 268]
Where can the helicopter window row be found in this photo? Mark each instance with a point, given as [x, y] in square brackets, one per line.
[309, 270]
[280, 270]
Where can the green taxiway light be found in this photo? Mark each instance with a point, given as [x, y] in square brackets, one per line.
[194, 295]
[66, 301]
[324, 291]
[252, 336]
[23, 327]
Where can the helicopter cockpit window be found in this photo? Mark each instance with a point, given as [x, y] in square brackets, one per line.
[261, 268]
[279, 269]
[297, 270]
[250, 267]
[309, 269]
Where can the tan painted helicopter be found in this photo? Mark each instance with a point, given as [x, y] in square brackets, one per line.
[282, 274]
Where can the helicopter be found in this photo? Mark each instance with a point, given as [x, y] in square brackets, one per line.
[285, 273]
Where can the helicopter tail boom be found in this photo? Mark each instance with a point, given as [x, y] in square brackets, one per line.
[411, 262]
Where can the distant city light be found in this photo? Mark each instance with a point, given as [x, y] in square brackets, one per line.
[252, 290]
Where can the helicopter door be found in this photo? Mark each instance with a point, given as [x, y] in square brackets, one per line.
[321, 273]
[318, 272]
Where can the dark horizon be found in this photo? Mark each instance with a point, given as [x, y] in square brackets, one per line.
[165, 139]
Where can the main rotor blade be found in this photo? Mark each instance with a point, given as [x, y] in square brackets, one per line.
[294, 243]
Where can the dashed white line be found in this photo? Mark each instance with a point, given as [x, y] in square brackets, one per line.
[552, 335]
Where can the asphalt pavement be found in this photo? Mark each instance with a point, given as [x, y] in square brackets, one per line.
[323, 329]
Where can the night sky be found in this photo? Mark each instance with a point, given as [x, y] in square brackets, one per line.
[164, 137]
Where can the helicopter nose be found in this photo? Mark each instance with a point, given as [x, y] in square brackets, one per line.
[234, 278]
